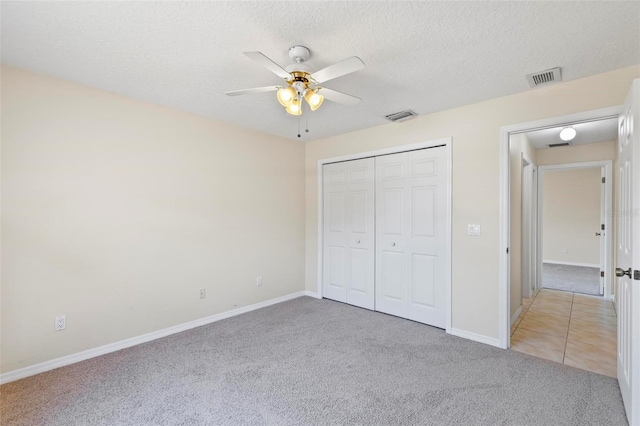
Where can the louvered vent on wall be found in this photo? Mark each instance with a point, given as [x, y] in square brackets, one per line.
[400, 116]
[543, 78]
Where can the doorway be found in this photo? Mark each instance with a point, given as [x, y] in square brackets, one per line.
[575, 232]
[551, 323]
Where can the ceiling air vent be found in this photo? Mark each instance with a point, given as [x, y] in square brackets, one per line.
[400, 116]
[553, 145]
[543, 78]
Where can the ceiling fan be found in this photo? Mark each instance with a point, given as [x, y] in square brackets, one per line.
[302, 83]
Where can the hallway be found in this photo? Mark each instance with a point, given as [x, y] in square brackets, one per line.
[569, 328]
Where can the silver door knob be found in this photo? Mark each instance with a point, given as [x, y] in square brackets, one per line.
[357, 241]
[393, 244]
[598, 234]
[621, 272]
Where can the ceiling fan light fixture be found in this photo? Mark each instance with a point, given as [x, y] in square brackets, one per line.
[286, 96]
[313, 99]
[295, 108]
[567, 134]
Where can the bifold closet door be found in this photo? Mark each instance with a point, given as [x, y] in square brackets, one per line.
[348, 240]
[410, 235]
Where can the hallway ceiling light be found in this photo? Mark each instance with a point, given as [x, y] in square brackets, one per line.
[568, 133]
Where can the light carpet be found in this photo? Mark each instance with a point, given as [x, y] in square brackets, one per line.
[312, 362]
[576, 279]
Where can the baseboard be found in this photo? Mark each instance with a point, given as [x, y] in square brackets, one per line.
[312, 294]
[475, 337]
[32, 370]
[560, 262]
[516, 314]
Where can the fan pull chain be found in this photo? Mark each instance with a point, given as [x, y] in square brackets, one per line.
[298, 126]
[306, 125]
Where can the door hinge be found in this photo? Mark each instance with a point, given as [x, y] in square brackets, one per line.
[602, 227]
[603, 180]
[636, 275]
[602, 274]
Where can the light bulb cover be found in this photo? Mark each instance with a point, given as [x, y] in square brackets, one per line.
[286, 96]
[313, 99]
[567, 134]
[295, 108]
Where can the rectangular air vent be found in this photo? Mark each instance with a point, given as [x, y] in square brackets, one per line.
[400, 116]
[553, 145]
[543, 78]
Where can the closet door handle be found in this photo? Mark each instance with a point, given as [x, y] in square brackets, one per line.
[357, 241]
[393, 244]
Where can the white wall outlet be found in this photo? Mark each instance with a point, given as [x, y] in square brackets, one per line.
[203, 293]
[60, 323]
[259, 281]
[473, 230]
[565, 250]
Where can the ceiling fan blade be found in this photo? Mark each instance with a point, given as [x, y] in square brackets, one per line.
[268, 64]
[339, 97]
[339, 69]
[254, 90]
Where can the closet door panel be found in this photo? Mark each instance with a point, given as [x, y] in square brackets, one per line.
[348, 265]
[334, 238]
[410, 235]
[391, 269]
[427, 236]
[361, 236]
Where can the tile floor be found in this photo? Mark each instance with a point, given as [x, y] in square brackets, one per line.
[569, 328]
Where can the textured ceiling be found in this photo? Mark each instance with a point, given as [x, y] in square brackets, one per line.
[424, 56]
[590, 132]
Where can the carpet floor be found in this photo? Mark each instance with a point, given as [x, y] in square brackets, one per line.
[309, 362]
[576, 279]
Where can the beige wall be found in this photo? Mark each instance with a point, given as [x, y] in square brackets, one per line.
[519, 148]
[476, 141]
[576, 153]
[571, 216]
[116, 212]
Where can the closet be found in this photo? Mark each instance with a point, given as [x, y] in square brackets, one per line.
[384, 234]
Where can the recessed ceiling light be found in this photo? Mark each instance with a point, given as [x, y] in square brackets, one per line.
[567, 134]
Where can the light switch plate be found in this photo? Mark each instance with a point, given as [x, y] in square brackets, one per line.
[473, 230]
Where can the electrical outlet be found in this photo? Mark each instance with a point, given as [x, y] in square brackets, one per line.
[203, 293]
[60, 323]
[259, 281]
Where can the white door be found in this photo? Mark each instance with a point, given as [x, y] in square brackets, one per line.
[411, 255]
[526, 258]
[534, 229]
[628, 250]
[348, 216]
[602, 238]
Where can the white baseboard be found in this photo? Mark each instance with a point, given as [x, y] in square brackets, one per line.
[516, 314]
[312, 294]
[560, 262]
[31, 370]
[475, 337]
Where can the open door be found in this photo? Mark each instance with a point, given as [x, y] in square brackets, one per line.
[601, 231]
[529, 227]
[628, 251]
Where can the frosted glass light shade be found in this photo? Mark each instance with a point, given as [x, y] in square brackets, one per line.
[567, 134]
[286, 96]
[313, 99]
[295, 108]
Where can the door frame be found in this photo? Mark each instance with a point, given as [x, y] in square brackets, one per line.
[505, 199]
[447, 144]
[607, 207]
[529, 235]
